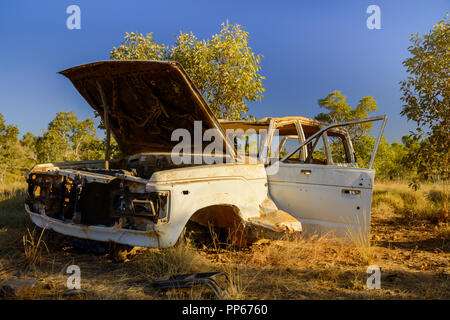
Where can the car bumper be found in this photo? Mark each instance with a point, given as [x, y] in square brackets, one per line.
[135, 238]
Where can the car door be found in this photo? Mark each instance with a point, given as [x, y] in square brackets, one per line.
[325, 196]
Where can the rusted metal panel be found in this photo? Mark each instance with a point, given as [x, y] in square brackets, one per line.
[153, 99]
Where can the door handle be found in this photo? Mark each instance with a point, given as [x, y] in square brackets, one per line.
[351, 192]
[306, 172]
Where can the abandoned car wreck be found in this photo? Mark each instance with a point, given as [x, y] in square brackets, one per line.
[147, 199]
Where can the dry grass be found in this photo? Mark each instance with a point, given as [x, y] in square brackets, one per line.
[400, 200]
[179, 259]
[32, 246]
[408, 241]
[360, 239]
[12, 195]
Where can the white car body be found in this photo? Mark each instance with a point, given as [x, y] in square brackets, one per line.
[146, 200]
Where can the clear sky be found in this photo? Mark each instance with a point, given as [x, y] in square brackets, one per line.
[310, 48]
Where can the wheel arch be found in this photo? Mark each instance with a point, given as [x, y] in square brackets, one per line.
[221, 215]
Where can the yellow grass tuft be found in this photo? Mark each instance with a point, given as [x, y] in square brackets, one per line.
[360, 238]
[174, 260]
[32, 245]
[425, 204]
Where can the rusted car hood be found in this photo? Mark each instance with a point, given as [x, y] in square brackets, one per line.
[146, 100]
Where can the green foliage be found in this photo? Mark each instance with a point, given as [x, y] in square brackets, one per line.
[224, 68]
[426, 94]
[29, 141]
[436, 196]
[15, 157]
[68, 139]
[389, 161]
[8, 141]
[418, 159]
[340, 111]
[393, 161]
[363, 150]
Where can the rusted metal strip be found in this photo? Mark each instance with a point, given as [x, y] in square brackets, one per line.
[301, 138]
[106, 120]
[181, 281]
[380, 134]
[331, 126]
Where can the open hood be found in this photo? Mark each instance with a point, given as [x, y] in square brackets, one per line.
[146, 101]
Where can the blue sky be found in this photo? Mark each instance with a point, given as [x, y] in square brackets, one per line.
[310, 48]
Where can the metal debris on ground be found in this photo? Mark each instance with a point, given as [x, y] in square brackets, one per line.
[182, 281]
[73, 292]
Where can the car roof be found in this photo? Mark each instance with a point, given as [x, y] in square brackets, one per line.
[286, 125]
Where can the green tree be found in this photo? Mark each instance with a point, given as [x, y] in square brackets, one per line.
[426, 94]
[419, 159]
[363, 150]
[394, 167]
[14, 158]
[224, 68]
[8, 146]
[29, 141]
[340, 111]
[389, 159]
[68, 139]
[28, 145]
